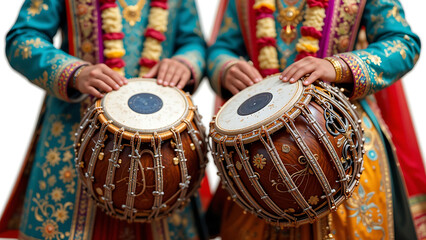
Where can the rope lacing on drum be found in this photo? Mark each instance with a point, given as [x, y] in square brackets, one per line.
[158, 193]
[254, 180]
[93, 158]
[197, 143]
[282, 171]
[129, 210]
[323, 138]
[86, 139]
[242, 153]
[112, 166]
[350, 115]
[185, 178]
[221, 161]
[313, 163]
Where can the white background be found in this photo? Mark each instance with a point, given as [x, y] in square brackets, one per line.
[20, 101]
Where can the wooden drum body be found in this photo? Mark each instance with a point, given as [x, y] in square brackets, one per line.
[141, 151]
[288, 153]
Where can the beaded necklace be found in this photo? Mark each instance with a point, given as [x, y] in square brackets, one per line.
[113, 35]
[307, 45]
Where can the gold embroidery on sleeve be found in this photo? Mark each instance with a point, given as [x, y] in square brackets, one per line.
[395, 46]
[25, 48]
[395, 13]
[36, 7]
[228, 24]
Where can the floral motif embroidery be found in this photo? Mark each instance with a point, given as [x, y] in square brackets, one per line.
[375, 59]
[53, 157]
[25, 48]
[57, 194]
[378, 22]
[259, 161]
[45, 212]
[67, 174]
[49, 229]
[36, 7]
[52, 213]
[42, 80]
[395, 46]
[228, 24]
[346, 18]
[57, 128]
[396, 14]
[366, 212]
[85, 15]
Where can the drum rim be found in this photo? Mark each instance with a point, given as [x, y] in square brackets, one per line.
[274, 125]
[165, 133]
[280, 112]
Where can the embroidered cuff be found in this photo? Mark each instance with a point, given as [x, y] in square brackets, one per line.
[62, 80]
[361, 76]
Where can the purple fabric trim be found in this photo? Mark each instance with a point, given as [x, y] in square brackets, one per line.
[325, 40]
[356, 25]
[100, 42]
[83, 216]
[362, 82]
[64, 78]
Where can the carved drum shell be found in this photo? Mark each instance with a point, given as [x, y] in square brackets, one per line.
[140, 177]
[297, 167]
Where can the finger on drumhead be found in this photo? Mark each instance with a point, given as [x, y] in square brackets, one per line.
[247, 70]
[233, 89]
[102, 86]
[310, 78]
[258, 76]
[168, 78]
[182, 83]
[114, 76]
[243, 77]
[162, 71]
[175, 78]
[152, 72]
[94, 92]
[289, 71]
[300, 73]
[239, 84]
[184, 80]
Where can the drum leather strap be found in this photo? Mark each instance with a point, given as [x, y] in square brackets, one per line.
[129, 210]
[158, 172]
[327, 144]
[285, 175]
[224, 156]
[186, 179]
[84, 143]
[254, 179]
[112, 166]
[313, 163]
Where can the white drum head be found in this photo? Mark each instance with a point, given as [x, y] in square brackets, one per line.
[257, 105]
[144, 106]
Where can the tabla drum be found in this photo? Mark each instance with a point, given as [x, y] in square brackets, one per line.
[287, 153]
[141, 151]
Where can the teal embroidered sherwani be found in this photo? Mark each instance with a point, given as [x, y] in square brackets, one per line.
[54, 206]
[379, 207]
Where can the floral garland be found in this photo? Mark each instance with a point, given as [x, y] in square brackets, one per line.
[307, 45]
[266, 37]
[113, 35]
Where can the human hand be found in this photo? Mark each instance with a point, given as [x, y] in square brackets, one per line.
[316, 68]
[170, 72]
[241, 75]
[95, 79]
